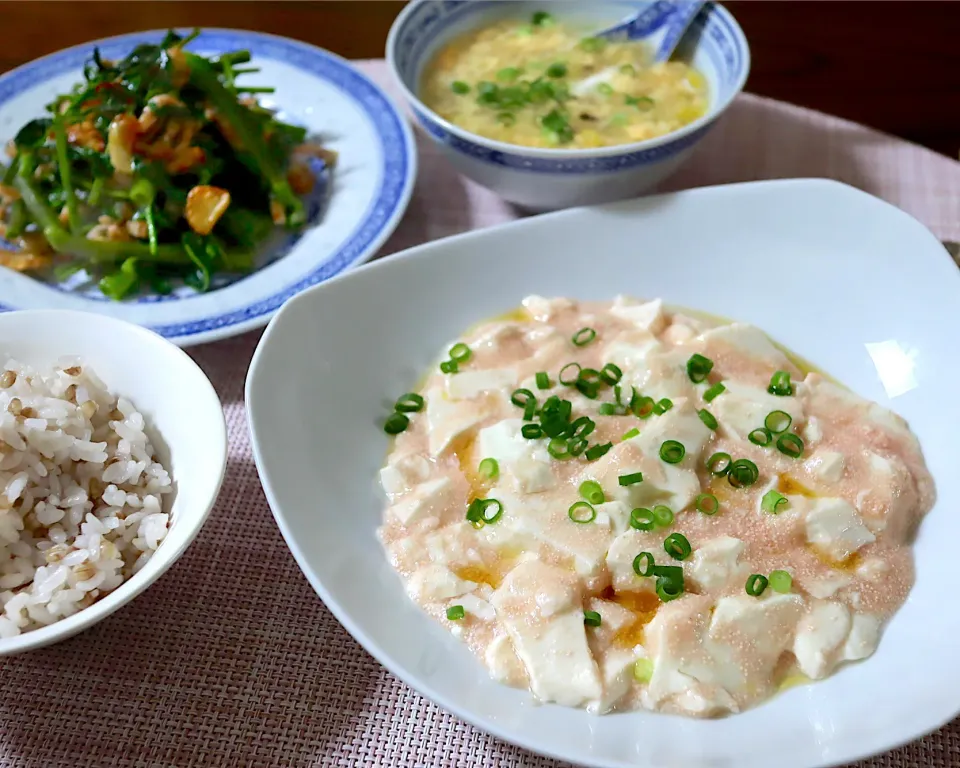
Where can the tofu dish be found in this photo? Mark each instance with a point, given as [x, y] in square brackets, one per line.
[620, 506]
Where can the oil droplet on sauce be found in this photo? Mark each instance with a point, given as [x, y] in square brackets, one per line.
[643, 605]
[790, 487]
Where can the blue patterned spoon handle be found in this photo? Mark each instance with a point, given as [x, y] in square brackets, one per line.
[662, 24]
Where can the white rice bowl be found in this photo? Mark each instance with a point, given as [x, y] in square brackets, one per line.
[84, 502]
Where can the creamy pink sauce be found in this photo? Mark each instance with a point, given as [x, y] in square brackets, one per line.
[883, 478]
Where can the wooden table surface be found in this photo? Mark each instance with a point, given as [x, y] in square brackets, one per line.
[890, 65]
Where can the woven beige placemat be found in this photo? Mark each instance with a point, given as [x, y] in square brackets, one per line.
[231, 659]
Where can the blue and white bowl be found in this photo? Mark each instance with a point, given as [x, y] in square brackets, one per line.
[544, 179]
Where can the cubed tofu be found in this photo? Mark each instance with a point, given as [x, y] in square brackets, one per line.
[543, 310]
[616, 676]
[646, 316]
[716, 563]
[429, 499]
[742, 409]
[863, 638]
[820, 634]
[826, 466]
[449, 419]
[680, 423]
[402, 474]
[620, 556]
[834, 527]
[502, 661]
[454, 544]
[541, 608]
[477, 607]
[811, 431]
[525, 462]
[437, 582]
[747, 339]
[467, 385]
[825, 586]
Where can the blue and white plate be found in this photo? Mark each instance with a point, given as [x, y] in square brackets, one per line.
[365, 197]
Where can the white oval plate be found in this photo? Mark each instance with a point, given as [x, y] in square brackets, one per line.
[314, 88]
[825, 269]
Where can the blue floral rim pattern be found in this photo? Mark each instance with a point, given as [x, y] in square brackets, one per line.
[398, 151]
[430, 20]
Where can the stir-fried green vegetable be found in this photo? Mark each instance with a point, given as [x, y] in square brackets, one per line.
[157, 167]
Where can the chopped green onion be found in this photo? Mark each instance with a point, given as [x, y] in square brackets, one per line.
[582, 512]
[760, 436]
[460, 353]
[395, 423]
[558, 69]
[677, 546]
[778, 421]
[630, 434]
[605, 89]
[719, 463]
[459, 87]
[477, 511]
[628, 69]
[773, 502]
[508, 74]
[608, 409]
[743, 472]
[643, 407]
[611, 374]
[707, 504]
[543, 380]
[712, 393]
[672, 451]
[506, 119]
[566, 379]
[521, 397]
[591, 618]
[530, 410]
[449, 366]
[541, 19]
[531, 431]
[669, 589]
[643, 564]
[662, 515]
[558, 448]
[582, 426]
[780, 384]
[780, 581]
[708, 418]
[756, 584]
[409, 403]
[593, 44]
[577, 445]
[642, 519]
[643, 670]
[699, 367]
[640, 102]
[663, 405]
[632, 479]
[456, 612]
[594, 452]
[592, 492]
[489, 468]
[583, 337]
[790, 445]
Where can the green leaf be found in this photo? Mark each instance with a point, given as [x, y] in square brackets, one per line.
[121, 283]
[33, 134]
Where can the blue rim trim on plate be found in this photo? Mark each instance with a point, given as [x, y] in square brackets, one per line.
[399, 151]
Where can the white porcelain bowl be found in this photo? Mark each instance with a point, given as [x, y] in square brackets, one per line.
[545, 179]
[854, 272]
[184, 421]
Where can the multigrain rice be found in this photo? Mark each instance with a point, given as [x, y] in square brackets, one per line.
[81, 493]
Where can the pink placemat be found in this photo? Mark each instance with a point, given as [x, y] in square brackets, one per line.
[231, 659]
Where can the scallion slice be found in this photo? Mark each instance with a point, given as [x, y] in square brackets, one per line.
[719, 463]
[662, 515]
[489, 468]
[643, 670]
[582, 426]
[521, 397]
[631, 479]
[677, 546]
[583, 337]
[780, 581]
[756, 584]
[642, 519]
[608, 409]
[672, 451]
[582, 512]
[477, 511]
[531, 431]
[669, 589]
[630, 434]
[760, 436]
[611, 374]
[577, 445]
[460, 352]
[556, 70]
[780, 384]
[662, 406]
[529, 410]
[790, 445]
[591, 618]
[558, 448]
[543, 380]
[409, 403]
[459, 87]
[708, 418]
[773, 502]
[743, 472]
[604, 89]
[778, 421]
[707, 504]
[643, 407]
[570, 374]
[449, 366]
[456, 612]
[643, 564]
[592, 492]
[699, 367]
[712, 393]
[594, 452]
[395, 423]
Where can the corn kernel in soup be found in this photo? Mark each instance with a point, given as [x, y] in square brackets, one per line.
[540, 84]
